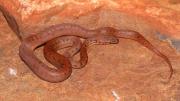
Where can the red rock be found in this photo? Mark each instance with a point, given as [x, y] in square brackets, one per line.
[129, 73]
[163, 16]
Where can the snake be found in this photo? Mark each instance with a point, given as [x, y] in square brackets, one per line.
[29, 44]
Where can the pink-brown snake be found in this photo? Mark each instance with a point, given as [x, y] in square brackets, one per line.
[29, 44]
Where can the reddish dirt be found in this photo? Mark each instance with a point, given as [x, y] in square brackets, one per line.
[123, 72]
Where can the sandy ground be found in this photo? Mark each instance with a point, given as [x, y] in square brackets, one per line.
[123, 72]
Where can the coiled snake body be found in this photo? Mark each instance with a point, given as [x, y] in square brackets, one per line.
[29, 44]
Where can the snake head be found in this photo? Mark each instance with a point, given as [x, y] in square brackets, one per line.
[101, 39]
[104, 36]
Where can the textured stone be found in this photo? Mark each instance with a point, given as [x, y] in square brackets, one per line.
[128, 73]
[163, 15]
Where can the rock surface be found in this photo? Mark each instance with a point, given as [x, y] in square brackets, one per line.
[128, 73]
[164, 15]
